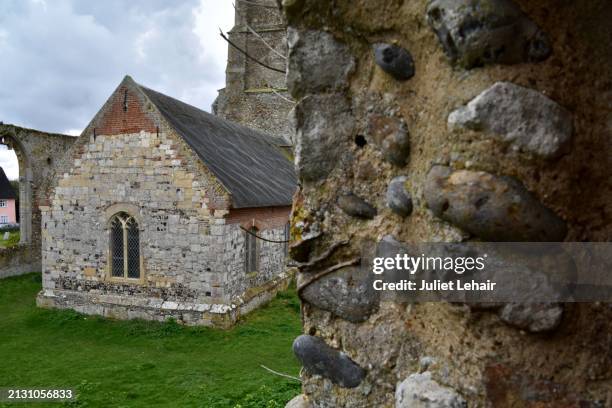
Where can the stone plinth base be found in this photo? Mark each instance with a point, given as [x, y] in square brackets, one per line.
[131, 307]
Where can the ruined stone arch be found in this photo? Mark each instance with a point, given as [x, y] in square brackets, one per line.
[39, 156]
[9, 138]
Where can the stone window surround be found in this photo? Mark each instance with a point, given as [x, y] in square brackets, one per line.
[125, 225]
[108, 215]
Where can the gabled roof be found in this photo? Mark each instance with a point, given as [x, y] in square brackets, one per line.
[6, 190]
[248, 163]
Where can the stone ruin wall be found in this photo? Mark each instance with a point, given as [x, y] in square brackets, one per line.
[448, 121]
[39, 154]
[251, 94]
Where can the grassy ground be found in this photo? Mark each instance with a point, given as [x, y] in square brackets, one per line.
[13, 239]
[146, 364]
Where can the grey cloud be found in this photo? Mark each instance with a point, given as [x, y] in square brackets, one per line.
[61, 59]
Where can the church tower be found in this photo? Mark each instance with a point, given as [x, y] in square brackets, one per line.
[255, 93]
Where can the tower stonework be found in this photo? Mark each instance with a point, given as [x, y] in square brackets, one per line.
[256, 96]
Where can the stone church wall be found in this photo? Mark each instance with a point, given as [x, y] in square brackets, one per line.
[180, 208]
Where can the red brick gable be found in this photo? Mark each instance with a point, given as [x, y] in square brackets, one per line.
[125, 114]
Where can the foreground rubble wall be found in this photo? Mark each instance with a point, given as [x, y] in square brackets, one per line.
[423, 121]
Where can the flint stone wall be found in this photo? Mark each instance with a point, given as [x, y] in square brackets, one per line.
[395, 124]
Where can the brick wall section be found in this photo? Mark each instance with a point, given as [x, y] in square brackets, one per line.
[261, 218]
[126, 115]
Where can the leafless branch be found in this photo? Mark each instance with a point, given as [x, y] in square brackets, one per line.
[262, 238]
[265, 43]
[275, 92]
[247, 54]
[281, 374]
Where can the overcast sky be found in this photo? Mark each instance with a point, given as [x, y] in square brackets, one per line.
[61, 59]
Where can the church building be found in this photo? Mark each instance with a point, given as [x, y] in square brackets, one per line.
[164, 210]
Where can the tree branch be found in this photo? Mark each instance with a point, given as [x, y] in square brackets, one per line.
[262, 238]
[291, 101]
[264, 41]
[256, 34]
[247, 54]
[281, 374]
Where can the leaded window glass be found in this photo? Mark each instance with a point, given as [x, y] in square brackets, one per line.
[124, 246]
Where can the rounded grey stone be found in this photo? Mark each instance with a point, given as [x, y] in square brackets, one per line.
[479, 32]
[320, 359]
[323, 122]
[347, 293]
[533, 317]
[523, 117]
[391, 135]
[421, 391]
[491, 207]
[356, 206]
[389, 247]
[395, 61]
[317, 62]
[398, 198]
[425, 362]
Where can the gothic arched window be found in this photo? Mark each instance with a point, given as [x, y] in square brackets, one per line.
[124, 246]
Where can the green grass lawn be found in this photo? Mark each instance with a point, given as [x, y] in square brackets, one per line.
[146, 364]
[12, 241]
